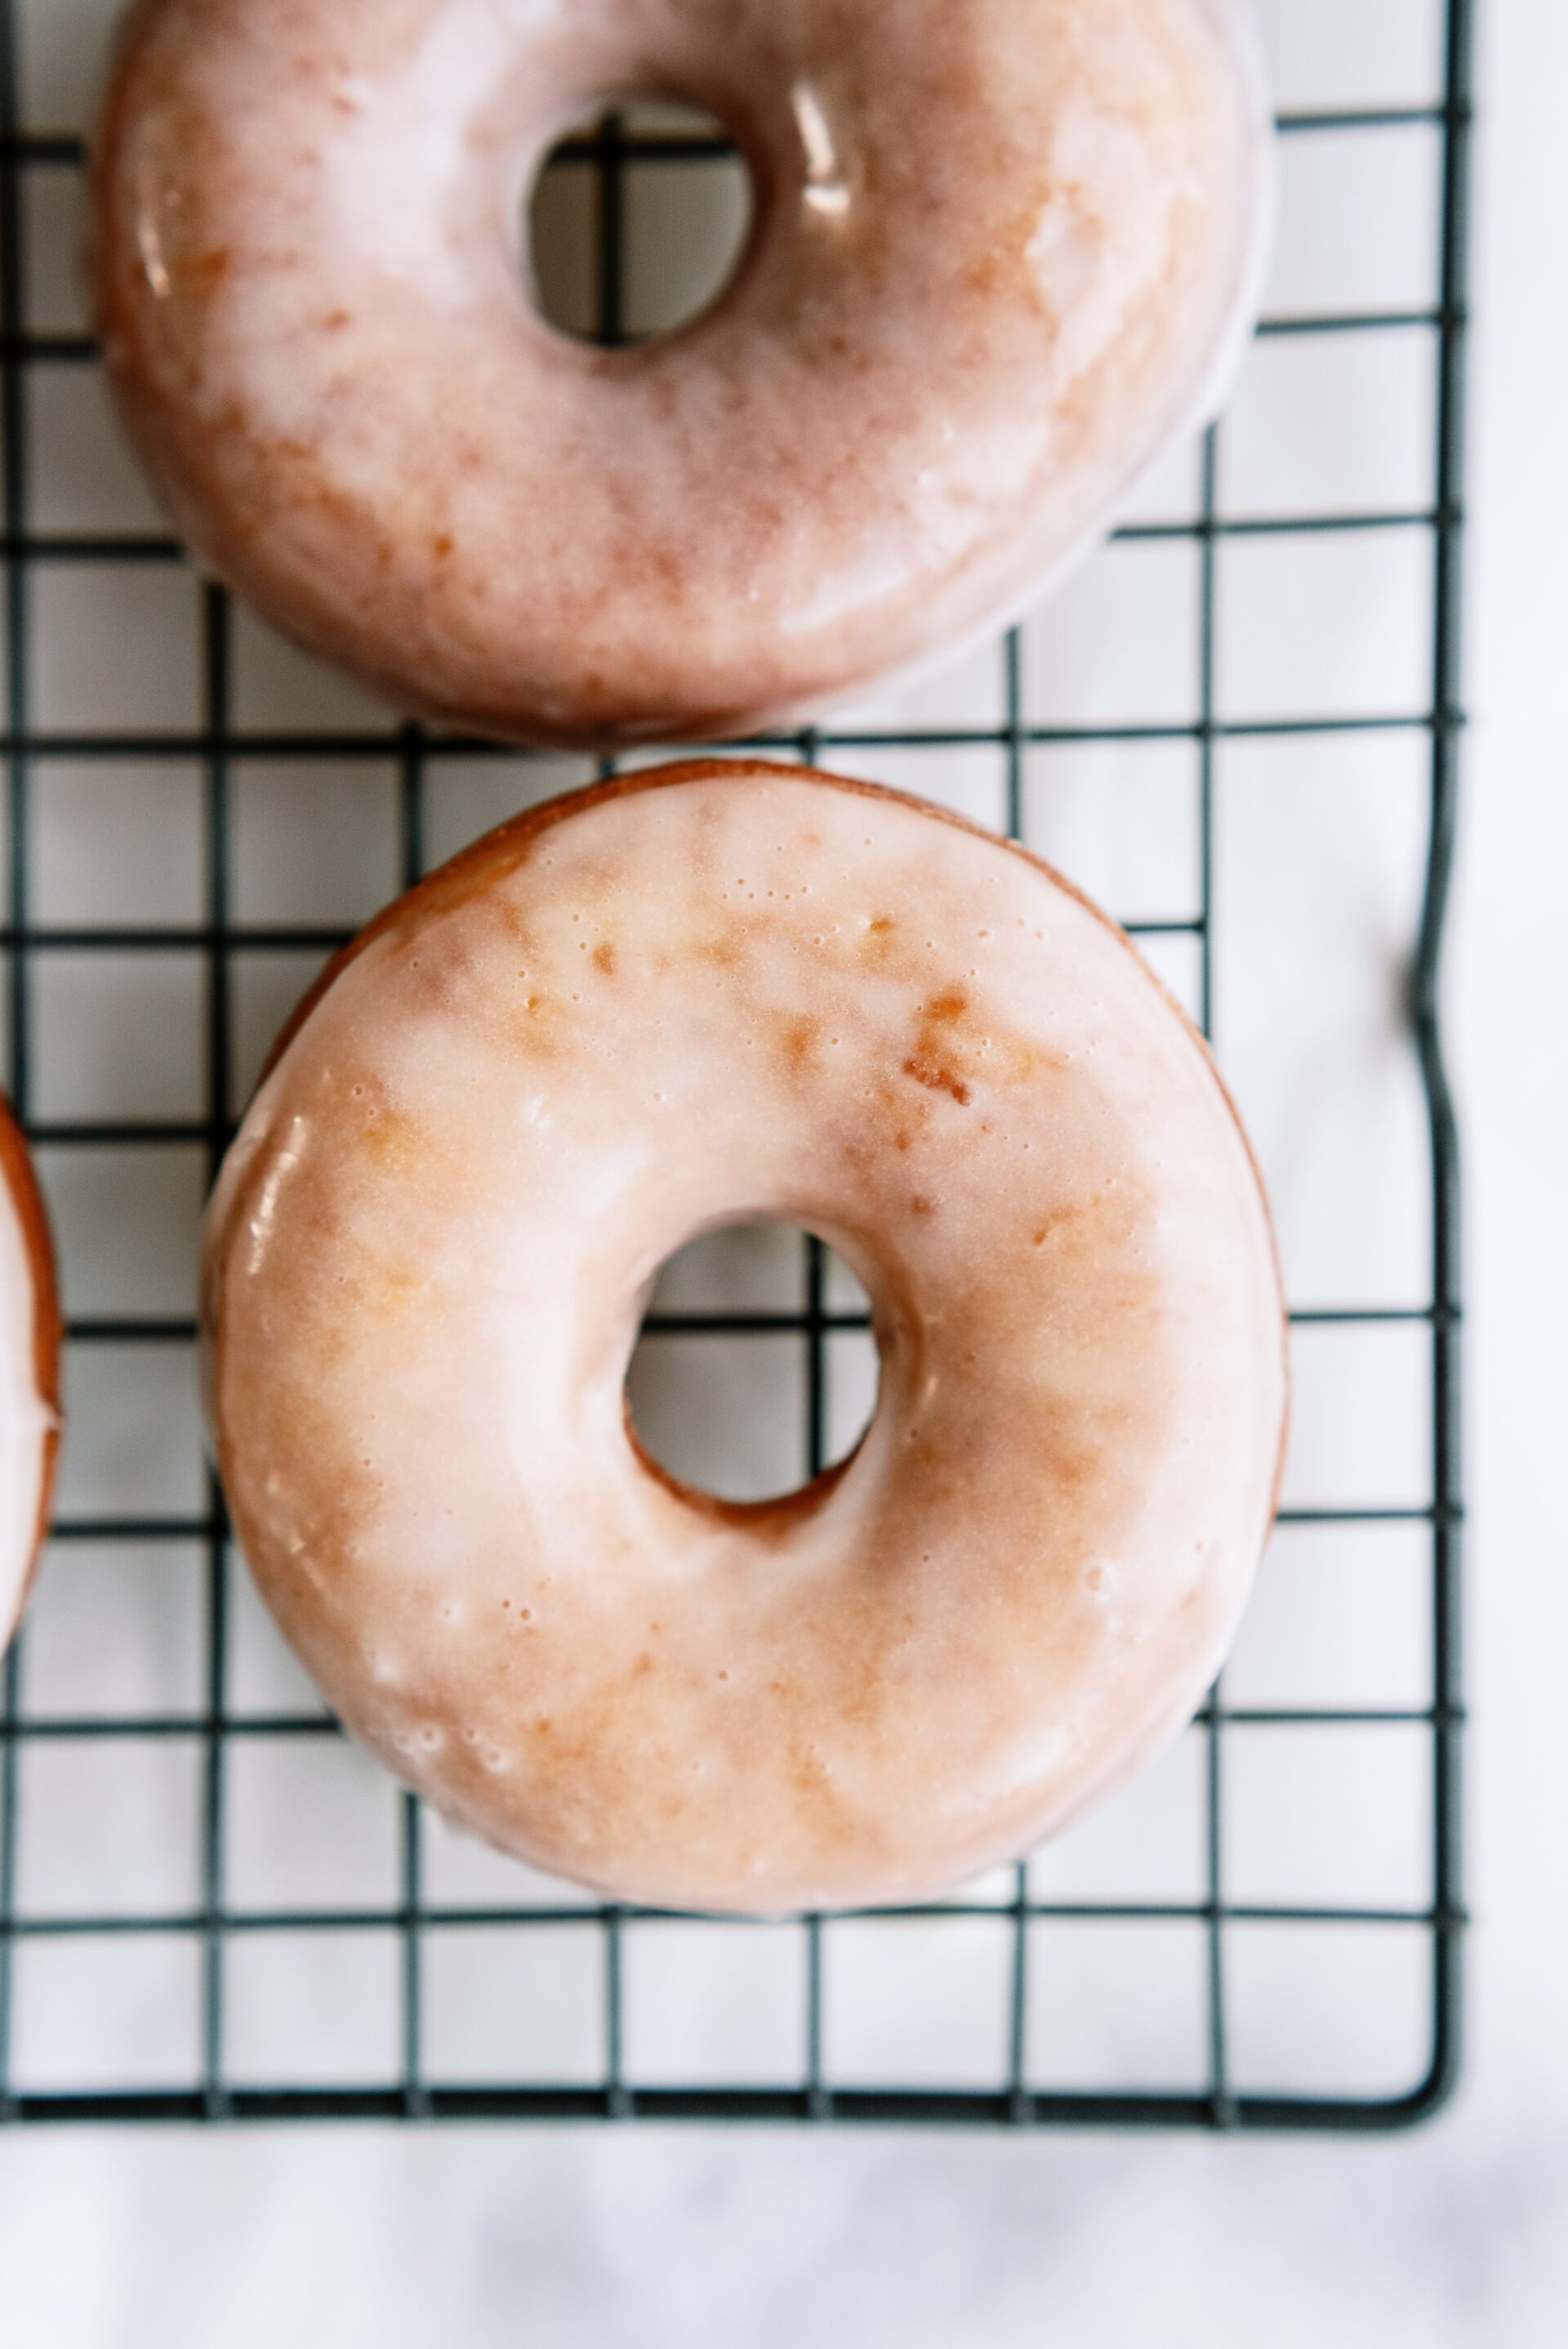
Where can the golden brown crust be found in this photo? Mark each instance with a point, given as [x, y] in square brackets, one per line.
[17, 1171]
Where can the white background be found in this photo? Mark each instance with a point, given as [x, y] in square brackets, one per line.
[1457, 2235]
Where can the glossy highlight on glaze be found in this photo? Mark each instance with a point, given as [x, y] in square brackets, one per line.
[1001, 252]
[709, 994]
[29, 1373]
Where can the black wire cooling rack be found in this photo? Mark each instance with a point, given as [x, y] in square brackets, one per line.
[220, 1942]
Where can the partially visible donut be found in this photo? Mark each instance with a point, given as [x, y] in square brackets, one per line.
[1003, 250]
[29, 1372]
[704, 995]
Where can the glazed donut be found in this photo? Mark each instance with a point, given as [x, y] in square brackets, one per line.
[29, 1373]
[1002, 251]
[677, 1001]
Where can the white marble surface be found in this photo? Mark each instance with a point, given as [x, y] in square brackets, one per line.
[1460, 2235]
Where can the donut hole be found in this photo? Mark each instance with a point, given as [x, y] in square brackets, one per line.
[637, 221]
[755, 1367]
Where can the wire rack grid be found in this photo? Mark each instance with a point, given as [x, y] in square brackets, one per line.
[564, 2034]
